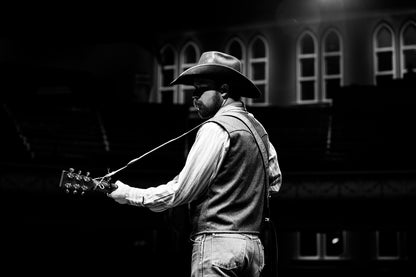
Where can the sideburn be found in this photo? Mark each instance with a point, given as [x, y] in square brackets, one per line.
[210, 110]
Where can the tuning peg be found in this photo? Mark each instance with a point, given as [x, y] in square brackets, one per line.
[70, 174]
[86, 177]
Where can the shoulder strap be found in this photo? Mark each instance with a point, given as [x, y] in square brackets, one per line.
[264, 153]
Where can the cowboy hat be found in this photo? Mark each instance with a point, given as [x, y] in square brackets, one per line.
[220, 66]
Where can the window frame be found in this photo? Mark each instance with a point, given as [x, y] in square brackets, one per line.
[321, 246]
[403, 47]
[399, 246]
[161, 68]
[377, 50]
[299, 77]
[250, 62]
[326, 54]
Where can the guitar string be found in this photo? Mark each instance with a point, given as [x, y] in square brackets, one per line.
[108, 175]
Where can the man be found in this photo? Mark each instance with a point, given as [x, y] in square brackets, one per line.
[225, 176]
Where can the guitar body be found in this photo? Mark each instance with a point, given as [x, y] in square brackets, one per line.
[78, 183]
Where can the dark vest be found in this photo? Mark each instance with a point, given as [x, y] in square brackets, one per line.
[235, 199]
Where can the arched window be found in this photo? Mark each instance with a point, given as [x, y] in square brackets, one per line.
[168, 70]
[384, 54]
[408, 48]
[258, 68]
[235, 47]
[189, 56]
[307, 68]
[331, 64]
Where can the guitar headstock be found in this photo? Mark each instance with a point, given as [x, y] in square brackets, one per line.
[77, 183]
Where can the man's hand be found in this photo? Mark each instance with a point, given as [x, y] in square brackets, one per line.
[120, 194]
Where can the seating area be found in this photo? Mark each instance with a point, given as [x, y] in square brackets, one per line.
[53, 133]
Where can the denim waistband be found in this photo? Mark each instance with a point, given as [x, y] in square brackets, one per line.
[203, 236]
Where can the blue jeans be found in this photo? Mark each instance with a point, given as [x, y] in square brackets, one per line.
[229, 254]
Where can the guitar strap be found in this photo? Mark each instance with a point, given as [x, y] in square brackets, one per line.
[264, 153]
[268, 232]
[108, 175]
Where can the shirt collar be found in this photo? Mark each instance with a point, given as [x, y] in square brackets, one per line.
[234, 106]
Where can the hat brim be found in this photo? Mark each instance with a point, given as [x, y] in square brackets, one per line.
[242, 86]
